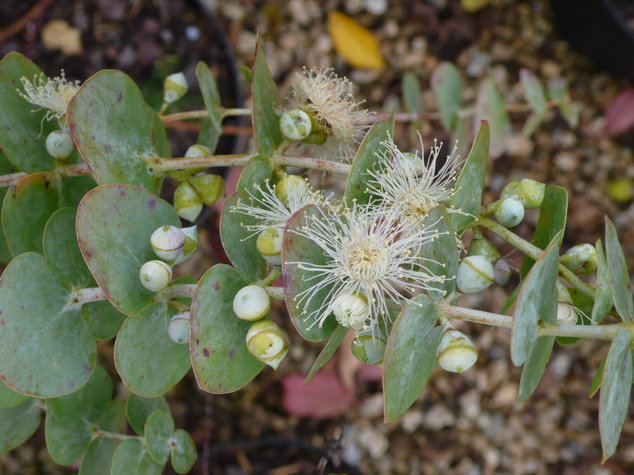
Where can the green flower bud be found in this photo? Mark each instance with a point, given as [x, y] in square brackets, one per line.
[531, 193]
[191, 244]
[266, 341]
[251, 303]
[289, 184]
[413, 164]
[178, 328]
[168, 242]
[269, 243]
[210, 188]
[563, 294]
[198, 150]
[174, 87]
[501, 272]
[295, 124]
[481, 246]
[59, 144]
[351, 310]
[456, 352]
[581, 259]
[475, 274]
[369, 348]
[187, 202]
[155, 275]
[566, 313]
[511, 190]
[509, 212]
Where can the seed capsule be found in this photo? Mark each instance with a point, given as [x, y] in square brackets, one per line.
[269, 243]
[456, 352]
[178, 328]
[509, 212]
[295, 124]
[59, 144]
[251, 303]
[581, 259]
[191, 244]
[265, 340]
[475, 274]
[351, 310]
[168, 242]
[155, 275]
[174, 87]
[197, 150]
[527, 191]
[209, 188]
[501, 272]
[187, 202]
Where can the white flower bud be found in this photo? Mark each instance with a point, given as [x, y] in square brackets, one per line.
[174, 87]
[581, 259]
[178, 328]
[566, 313]
[59, 144]
[351, 310]
[295, 124]
[413, 164]
[187, 203]
[290, 184]
[209, 188]
[191, 244]
[168, 242]
[501, 272]
[251, 303]
[269, 243]
[198, 150]
[155, 275]
[456, 352]
[265, 340]
[475, 274]
[509, 212]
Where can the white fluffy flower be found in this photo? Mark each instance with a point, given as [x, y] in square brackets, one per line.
[53, 94]
[330, 99]
[398, 185]
[369, 255]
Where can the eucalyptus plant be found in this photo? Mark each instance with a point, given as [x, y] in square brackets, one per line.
[92, 249]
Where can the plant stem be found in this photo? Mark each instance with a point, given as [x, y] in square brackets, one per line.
[66, 170]
[80, 297]
[276, 293]
[235, 112]
[112, 435]
[533, 252]
[600, 332]
[313, 163]
[275, 274]
[199, 114]
[179, 291]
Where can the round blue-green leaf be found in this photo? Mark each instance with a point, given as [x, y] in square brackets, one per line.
[410, 356]
[115, 130]
[9, 398]
[183, 451]
[147, 359]
[74, 188]
[114, 225]
[26, 209]
[46, 350]
[138, 409]
[158, 430]
[220, 359]
[98, 457]
[297, 248]
[442, 252]
[132, 458]
[23, 130]
[17, 424]
[103, 319]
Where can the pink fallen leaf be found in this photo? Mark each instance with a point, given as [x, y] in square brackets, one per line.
[325, 396]
[620, 114]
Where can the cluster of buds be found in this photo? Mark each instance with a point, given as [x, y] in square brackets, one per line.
[265, 339]
[195, 191]
[517, 197]
[59, 144]
[483, 267]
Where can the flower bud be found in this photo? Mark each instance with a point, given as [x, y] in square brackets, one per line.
[511, 190]
[168, 242]
[178, 328]
[198, 150]
[475, 274]
[174, 87]
[191, 244]
[501, 272]
[509, 212]
[209, 188]
[351, 309]
[531, 193]
[290, 184]
[581, 259]
[563, 294]
[266, 341]
[187, 202]
[566, 313]
[481, 246]
[59, 144]
[456, 352]
[251, 303]
[412, 164]
[269, 243]
[295, 124]
[155, 275]
[369, 348]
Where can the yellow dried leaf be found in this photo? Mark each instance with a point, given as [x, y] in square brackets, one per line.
[473, 5]
[58, 34]
[358, 46]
